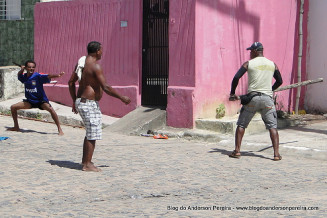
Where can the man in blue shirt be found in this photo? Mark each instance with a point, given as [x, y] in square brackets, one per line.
[34, 93]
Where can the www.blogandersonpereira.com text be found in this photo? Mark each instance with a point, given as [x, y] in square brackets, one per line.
[247, 208]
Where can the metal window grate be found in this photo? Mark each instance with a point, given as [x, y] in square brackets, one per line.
[10, 9]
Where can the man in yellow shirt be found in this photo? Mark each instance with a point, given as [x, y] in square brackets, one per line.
[261, 71]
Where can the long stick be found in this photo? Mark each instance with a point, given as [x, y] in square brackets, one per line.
[304, 83]
[18, 65]
[299, 77]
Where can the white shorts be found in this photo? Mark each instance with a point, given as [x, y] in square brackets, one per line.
[90, 112]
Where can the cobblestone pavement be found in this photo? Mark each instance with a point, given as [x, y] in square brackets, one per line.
[40, 176]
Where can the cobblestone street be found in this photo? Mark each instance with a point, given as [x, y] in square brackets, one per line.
[40, 176]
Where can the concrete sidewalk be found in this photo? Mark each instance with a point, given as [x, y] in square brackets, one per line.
[307, 138]
[65, 114]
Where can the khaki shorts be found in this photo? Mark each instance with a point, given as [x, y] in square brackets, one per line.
[90, 112]
[263, 104]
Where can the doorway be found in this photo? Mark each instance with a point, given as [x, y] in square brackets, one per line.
[155, 55]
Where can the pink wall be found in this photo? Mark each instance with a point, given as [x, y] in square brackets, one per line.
[63, 30]
[223, 29]
[292, 92]
[207, 42]
[181, 63]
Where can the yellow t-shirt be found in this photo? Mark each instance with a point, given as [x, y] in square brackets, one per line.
[260, 73]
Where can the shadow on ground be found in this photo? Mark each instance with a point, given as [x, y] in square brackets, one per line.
[30, 131]
[69, 164]
[66, 164]
[245, 153]
[305, 129]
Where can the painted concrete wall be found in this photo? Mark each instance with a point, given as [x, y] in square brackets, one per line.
[207, 42]
[223, 29]
[181, 84]
[315, 99]
[10, 86]
[62, 32]
[16, 36]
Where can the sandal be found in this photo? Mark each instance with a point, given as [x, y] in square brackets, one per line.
[234, 154]
[277, 158]
[159, 136]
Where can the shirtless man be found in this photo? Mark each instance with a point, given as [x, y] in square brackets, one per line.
[91, 87]
[34, 93]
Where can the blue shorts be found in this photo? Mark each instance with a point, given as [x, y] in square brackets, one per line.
[37, 105]
[263, 104]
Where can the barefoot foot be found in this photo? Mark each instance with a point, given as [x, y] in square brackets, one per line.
[277, 158]
[14, 129]
[90, 168]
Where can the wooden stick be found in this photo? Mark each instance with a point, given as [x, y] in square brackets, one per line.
[304, 83]
[18, 65]
[299, 63]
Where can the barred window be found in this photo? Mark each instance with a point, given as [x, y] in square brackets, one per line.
[10, 9]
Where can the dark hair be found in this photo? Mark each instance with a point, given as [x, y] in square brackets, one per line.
[30, 61]
[93, 47]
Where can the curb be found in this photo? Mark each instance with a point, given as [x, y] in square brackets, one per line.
[45, 116]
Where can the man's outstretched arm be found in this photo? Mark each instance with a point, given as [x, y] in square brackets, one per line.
[21, 71]
[236, 78]
[108, 89]
[50, 76]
